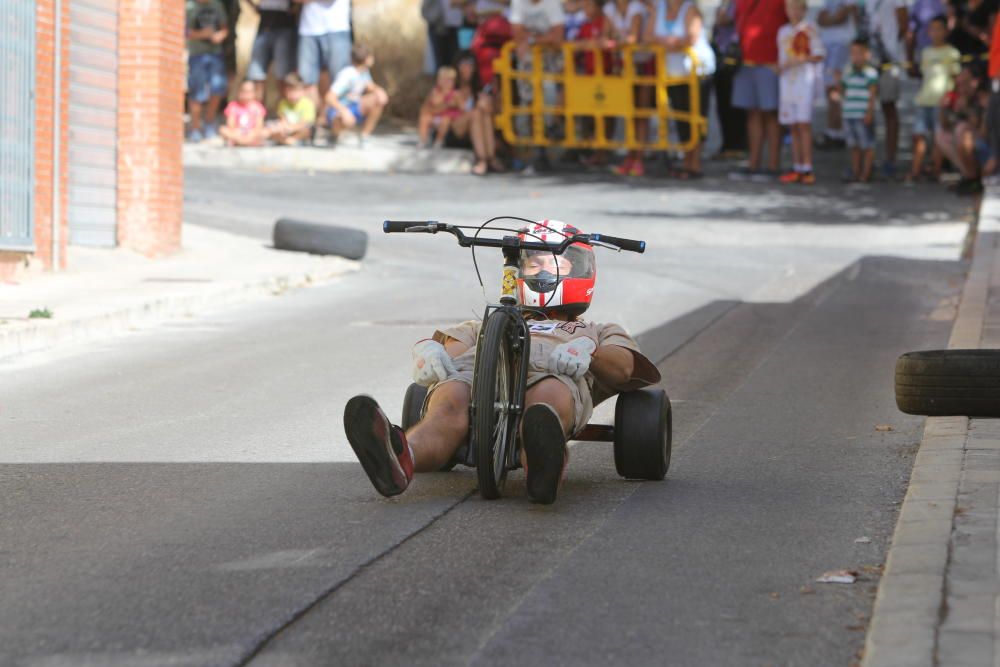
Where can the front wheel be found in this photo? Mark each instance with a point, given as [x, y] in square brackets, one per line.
[494, 421]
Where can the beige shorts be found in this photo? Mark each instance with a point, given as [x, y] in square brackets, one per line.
[583, 406]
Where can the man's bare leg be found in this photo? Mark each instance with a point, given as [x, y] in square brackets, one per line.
[443, 429]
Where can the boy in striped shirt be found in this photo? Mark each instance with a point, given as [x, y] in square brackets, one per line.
[860, 83]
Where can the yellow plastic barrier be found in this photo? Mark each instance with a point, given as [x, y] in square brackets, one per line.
[557, 90]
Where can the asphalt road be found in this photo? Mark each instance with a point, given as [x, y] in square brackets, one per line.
[184, 495]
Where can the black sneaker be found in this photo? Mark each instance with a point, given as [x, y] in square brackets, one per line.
[544, 451]
[380, 447]
[969, 186]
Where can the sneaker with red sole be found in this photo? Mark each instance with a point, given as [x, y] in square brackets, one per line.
[790, 177]
[623, 169]
[380, 446]
[544, 452]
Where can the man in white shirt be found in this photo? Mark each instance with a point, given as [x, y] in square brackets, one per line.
[324, 41]
[887, 23]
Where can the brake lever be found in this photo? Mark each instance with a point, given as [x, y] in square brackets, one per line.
[601, 244]
[432, 228]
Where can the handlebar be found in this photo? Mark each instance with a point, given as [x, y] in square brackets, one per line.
[465, 241]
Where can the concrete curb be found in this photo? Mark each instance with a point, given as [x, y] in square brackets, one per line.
[380, 155]
[49, 334]
[910, 602]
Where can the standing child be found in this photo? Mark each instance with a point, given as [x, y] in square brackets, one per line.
[860, 83]
[354, 100]
[443, 105]
[206, 30]
[244, 118]
[296, 113]
[800, 53]
[939, 63]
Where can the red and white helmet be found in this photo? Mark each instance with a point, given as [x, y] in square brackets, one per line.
[556, 284]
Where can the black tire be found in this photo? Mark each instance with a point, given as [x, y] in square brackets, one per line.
[413, 404]
[494, 428]
[319, 239]
[643, 425]
[949, 383]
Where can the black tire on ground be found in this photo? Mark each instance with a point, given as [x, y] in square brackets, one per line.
[643, 425]
[319, 239]
[949, 383]
[413, 403]
[493, 428]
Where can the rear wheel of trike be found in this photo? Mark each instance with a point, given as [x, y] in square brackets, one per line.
[413, 412]
[643, 434]
[494, 424]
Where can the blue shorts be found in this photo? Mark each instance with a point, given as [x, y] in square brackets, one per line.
[858, 134]
[206, 77]
[755, 87]
[273, 45]
[331, 51]
[982, 151]
[353, 107]
[834, 63]
[924, 121]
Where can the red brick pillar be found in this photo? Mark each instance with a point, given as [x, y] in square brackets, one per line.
[46, 125]
[150, 125]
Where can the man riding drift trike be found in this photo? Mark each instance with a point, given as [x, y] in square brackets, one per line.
[485, 388]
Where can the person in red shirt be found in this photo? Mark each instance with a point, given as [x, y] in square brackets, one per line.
[755, 86]
[993, 107]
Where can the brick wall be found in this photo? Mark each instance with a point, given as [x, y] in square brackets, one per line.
[45, 126]
[150, 125]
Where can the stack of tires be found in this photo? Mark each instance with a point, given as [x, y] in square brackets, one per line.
[949, 383]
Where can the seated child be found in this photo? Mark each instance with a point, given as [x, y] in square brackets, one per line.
[354, 101]
[296, 113]
[443, 105]
[244, 118]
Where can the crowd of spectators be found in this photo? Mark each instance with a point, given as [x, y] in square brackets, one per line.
[766, 63]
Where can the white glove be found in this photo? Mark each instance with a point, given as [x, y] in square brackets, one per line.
[431, 363]
[572, 358]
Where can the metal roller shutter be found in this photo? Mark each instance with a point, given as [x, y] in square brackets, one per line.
[93, 122]
[17, 152]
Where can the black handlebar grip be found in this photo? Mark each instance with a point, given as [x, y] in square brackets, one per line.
[392, 226]
[624, 244]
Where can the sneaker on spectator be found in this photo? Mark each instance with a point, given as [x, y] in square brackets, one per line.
[195, 136]
[808, 178]
[969, 186]
[790, 177]
[763, 176]
[741, 174]
[211, 132]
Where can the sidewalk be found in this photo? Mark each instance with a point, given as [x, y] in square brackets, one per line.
[387, 153]
[106, 292]
[939, 600]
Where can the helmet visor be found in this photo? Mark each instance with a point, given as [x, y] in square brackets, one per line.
[542, 270]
